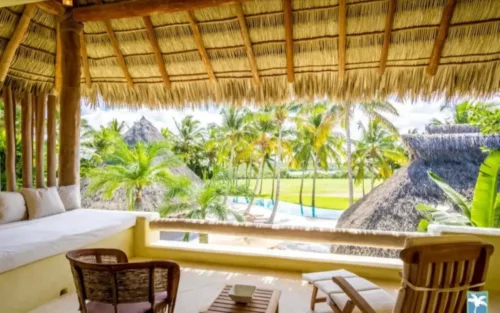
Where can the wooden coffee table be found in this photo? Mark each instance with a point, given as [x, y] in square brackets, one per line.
[263, 301]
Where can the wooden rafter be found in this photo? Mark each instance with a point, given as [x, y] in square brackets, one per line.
[137, 8]
[157, 52]
[200, 45]
[15, 40]
[287, 6]
[85, 61]
[116, 47]
[342, 37]
[52, 7]
[441, 36]
[389, 21]
[248, 43]
[58, 65]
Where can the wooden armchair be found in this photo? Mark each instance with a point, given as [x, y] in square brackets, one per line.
[437, 273]
[106, 282]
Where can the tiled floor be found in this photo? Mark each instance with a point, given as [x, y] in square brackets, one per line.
[199, 286]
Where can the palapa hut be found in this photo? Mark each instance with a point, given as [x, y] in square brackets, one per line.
[155, 53]
[454, 152]
[153, 196]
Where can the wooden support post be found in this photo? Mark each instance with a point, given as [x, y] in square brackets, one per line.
[40, 138]
[27, 140]
[389, 21]
[15, 40]
[85, 61]
[201, 46]
[441, 36]
[248, 43]
[287, 5]
[51, 141]
[342, 37]
[156, 49]
[69, 129]
[10, 133]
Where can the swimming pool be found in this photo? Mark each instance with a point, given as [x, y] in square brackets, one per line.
[292, 208]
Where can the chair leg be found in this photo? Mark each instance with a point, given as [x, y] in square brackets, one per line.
[313, 298]
[349, 307]
[335, 308]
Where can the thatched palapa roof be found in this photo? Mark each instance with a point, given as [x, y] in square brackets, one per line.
[357, 51]
[391, 206]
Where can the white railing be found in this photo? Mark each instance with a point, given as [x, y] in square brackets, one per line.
[367, 238]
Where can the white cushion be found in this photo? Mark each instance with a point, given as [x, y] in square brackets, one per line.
[318, 276]
[70, 197]
[12, 207]
[42, 202]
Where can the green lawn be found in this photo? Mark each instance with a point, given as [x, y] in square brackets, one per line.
[330, 193]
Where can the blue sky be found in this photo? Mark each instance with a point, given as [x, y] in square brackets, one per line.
[412, 115]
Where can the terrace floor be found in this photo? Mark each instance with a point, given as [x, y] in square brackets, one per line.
[200, 284]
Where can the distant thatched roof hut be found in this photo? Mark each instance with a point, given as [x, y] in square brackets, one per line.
[142, 131]
[391, 206]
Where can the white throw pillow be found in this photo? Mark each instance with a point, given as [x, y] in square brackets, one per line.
[42, 202]
[12, 207]
[70, 197]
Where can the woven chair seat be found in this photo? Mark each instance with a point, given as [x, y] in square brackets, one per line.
[141, 307]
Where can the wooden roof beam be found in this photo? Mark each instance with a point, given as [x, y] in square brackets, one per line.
[116, 47]
[85, 60]
[389, 22]
[15, 40]
[248, 43]
[52, 7]
[58, 65]
[342, 38]
[135, 8]
[201, 46]
[440, 40]
[287, 7]
[157, 52]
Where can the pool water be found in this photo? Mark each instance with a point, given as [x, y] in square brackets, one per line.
[292, 208]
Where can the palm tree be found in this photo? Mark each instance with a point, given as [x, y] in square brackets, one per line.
[281, 115]
[374, 111]
[116, 126]
[233, 133]
[133, 169]
[264, 129]
[188, 143]
[379, 151]
[198, 202]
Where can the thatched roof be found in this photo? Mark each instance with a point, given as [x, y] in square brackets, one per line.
[452, 129]
[469, 63]
[142, 131]
[391, 206]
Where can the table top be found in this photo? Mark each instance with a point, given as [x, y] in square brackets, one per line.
[263, 301]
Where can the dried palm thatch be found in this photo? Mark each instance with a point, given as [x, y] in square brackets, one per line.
[391, 206]
[469, 63]
[452, 129]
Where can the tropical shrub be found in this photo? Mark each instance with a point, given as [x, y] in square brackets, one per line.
[483, 211]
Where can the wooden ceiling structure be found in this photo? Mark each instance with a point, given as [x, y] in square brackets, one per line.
[173, 53]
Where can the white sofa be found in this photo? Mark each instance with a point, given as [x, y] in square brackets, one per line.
[28, 241]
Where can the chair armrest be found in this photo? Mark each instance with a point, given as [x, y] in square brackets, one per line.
[354, 295]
